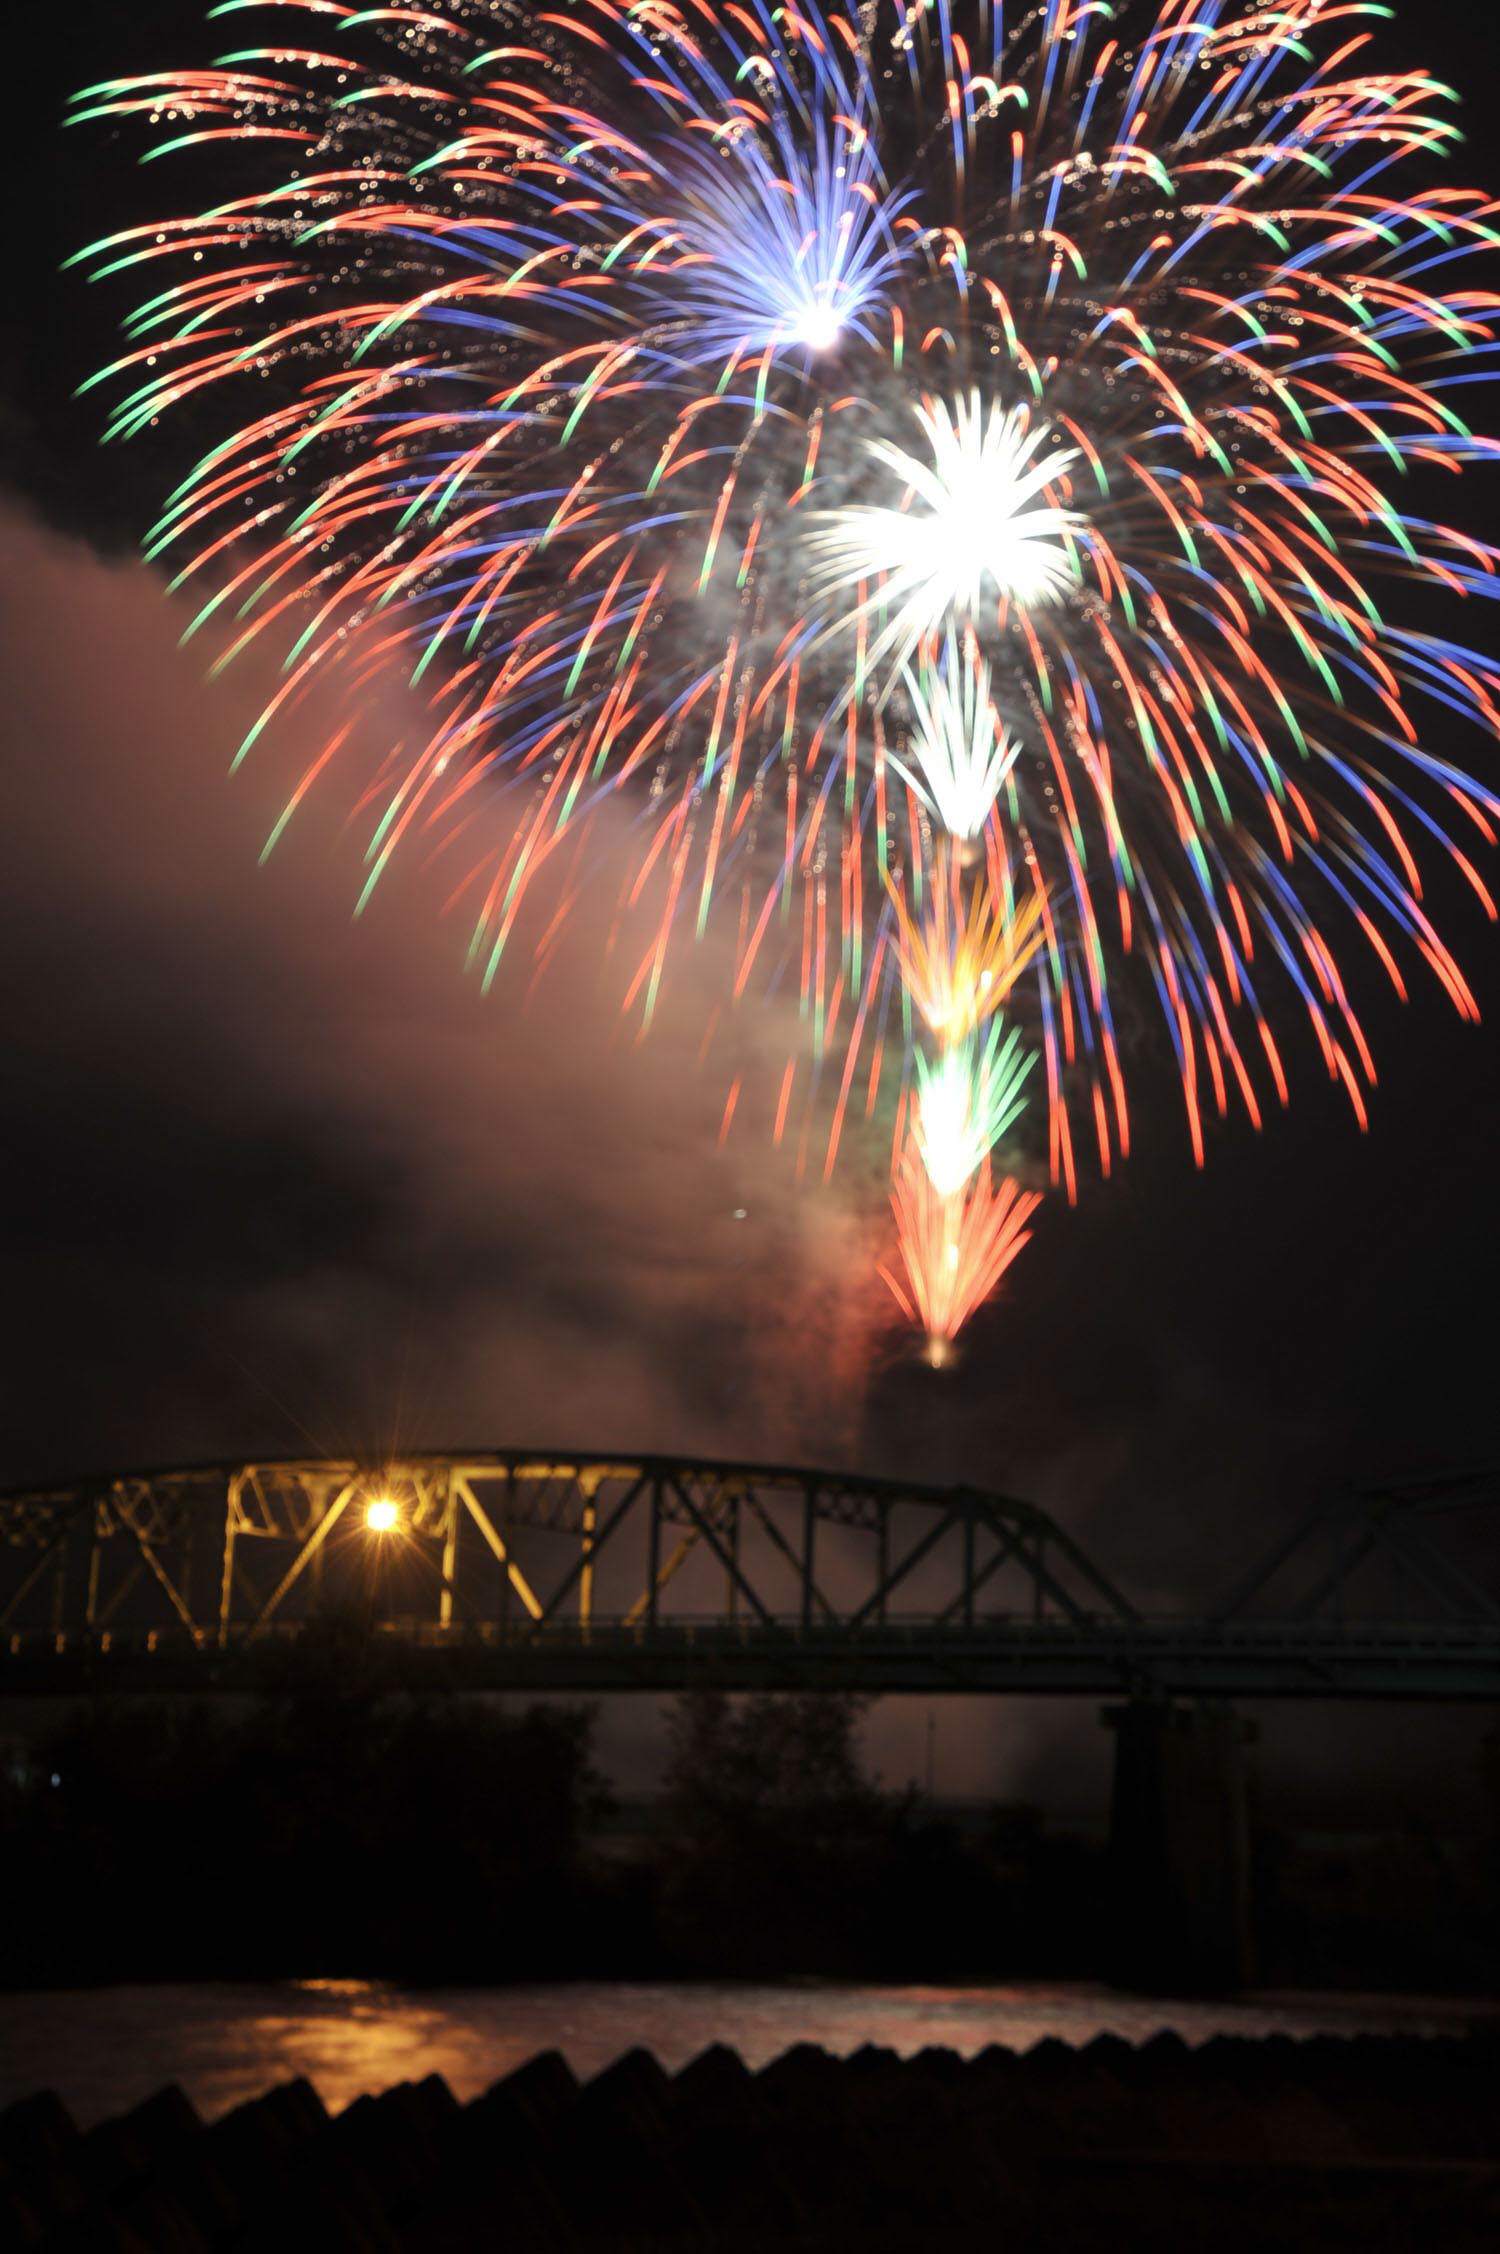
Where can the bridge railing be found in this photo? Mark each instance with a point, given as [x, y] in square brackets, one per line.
[1143, 1632]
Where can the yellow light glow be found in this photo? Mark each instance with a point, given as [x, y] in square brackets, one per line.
[382, 1516]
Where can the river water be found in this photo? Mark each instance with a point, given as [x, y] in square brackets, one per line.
[105, 2049]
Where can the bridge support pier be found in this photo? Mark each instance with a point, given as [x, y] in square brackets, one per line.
[1179, 1847]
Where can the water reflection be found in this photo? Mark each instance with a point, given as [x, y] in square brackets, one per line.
[105, 2049]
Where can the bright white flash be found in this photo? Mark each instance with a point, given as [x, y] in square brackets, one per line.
[957, 755]
[966, 1098]
[783, 242]
[974, 522]
[817, 327]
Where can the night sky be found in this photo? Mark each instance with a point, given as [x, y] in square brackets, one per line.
[276, 1180]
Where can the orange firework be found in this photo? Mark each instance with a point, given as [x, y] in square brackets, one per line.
[960, 962]
[954, 1249]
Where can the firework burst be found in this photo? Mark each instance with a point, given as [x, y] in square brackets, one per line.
[957, 755]
[961, 955]
[975, 526]
[966, 1099]
[822, 424]
[954, 1247]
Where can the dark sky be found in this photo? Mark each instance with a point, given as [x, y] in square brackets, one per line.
[273, 1178]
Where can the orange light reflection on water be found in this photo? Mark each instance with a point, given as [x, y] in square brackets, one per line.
[104, 2050]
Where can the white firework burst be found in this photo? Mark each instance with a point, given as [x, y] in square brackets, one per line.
[958, 754]
[976, 522]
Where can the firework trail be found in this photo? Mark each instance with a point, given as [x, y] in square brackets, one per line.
[954, 1247]
[967, 1096]
[957, 470]
[957, 752]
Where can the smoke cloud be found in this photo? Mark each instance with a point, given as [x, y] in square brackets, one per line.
[279, 1177]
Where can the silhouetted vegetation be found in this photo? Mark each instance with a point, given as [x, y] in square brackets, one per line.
[785, 1858]
[344, 1823]
[341, 1827]
[777, 1838]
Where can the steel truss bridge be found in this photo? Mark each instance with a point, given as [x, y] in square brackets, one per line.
[546, 1572]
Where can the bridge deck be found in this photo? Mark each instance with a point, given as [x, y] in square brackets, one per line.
[1183, 1659]
[547, 1571]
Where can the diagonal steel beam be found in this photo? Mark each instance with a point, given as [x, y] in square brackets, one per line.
[46, 1557]
[1041, 1573]
[974, 1582]
[117, 1596]
[725, 1557]
[513, 1573]
[667, 1572]
[913, 1558]
[784, 1546]
[1251, 1584]
[65, 1523]
[306, 1554]
[1438, 1573]
[1034, 1522]
[1351, 1556]
[153, 1563]
[590, 1556]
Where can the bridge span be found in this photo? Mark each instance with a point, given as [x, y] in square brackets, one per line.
[547, 1571]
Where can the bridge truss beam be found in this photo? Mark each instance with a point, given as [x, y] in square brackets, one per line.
[538, 1571]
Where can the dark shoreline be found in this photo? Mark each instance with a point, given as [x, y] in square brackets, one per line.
[1368, 2143]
